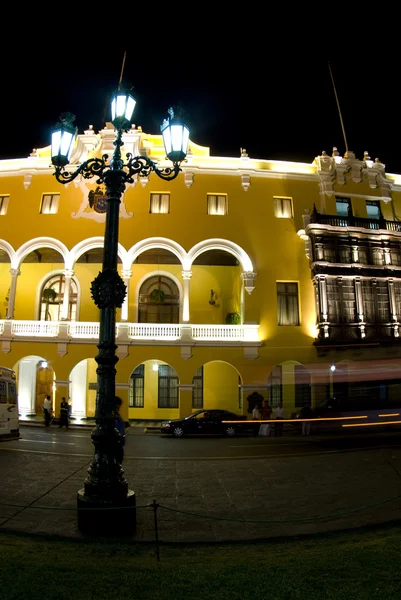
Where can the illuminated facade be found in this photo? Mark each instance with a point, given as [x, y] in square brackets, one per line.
[242, 275]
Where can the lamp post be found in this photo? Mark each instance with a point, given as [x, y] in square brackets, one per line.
[105, 486]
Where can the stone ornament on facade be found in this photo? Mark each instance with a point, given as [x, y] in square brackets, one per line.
[249, 281]
[86, 211]
[338, 169]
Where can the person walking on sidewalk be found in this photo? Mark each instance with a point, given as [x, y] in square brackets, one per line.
[306, 413]
[64, 413]
[279, 415]
[47, 409]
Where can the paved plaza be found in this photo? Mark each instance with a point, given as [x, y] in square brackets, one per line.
[301, 493]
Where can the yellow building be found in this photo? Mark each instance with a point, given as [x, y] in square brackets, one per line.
[243, 275]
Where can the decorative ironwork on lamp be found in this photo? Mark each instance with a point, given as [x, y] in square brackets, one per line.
[106, 486]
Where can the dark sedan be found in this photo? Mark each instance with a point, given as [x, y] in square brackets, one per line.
[207, 422]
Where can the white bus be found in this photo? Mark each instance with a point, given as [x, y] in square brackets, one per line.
[9, 425]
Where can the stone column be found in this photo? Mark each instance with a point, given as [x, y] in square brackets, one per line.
[13, 290]
[323, 307]
[68, 273]
[186, 275]
[359, 306]
[393, 307]
[126, 274]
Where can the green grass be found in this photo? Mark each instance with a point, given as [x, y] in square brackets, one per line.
[349, 566]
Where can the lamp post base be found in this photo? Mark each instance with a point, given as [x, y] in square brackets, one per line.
[118, 518]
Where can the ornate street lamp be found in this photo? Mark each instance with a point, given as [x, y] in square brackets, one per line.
[106, 486]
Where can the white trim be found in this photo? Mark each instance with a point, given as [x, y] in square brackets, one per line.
[11, 253]
[89, 244]
[39, 242]
[220, 244]
[154, 243]
[362, 196]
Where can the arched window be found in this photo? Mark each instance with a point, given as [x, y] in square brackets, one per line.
[159, 301]
[52, 295]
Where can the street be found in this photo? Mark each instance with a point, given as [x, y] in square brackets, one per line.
[153, 445]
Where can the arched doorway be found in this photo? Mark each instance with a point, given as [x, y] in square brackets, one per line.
[159, 301]
[35, 377]
[153, 391]
[217, 385]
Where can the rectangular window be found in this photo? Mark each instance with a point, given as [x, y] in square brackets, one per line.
[49, 204]
[136, 389]
[167, 387]
[368, 301]
[197, 389]
[382, 302]
[348, 300]
[274, 387]
[159, 204]
[329, 253]
[333, 300]
[216, 204]
[343, 207]
[3, 204]
[395, 257]
[287, 303]
[373, 209]
[283, 208]
[397, 294]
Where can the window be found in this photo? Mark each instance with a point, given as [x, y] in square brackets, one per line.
[159, 301]
[333, 300]
[348, 300]
[368, 299]
[3, 204]
[167, 387]
[395, 257]
[344, 254]
[287, 303]
[382, 302]
[373, 209]
[274, 387]
[216, 204]
[377, 256]
[159, 204]
[197, 389]
[136, 388]
[343, 207]
[49, 205]
[303, 393]
[52, 296]
[283, 208]
[329, 253]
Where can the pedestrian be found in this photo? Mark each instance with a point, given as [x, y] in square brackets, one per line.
[279, 416]
[256, 417]
[64, 413]
[47, 409]
[266, 413]
[119, 424]
[306, 413]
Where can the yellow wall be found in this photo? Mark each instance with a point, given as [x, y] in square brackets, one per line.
[220, 386]
[150, 409]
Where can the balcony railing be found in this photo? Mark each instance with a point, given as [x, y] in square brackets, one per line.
[71, 331]
[351, 221]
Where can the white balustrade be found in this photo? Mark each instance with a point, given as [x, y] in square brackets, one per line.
[34, 328]
[136, 331]
[83, 330]
[154, 331]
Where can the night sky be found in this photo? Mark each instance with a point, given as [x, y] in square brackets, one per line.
[276, 108]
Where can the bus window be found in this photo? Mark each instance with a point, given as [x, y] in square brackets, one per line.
[3, 392]
[12, 393]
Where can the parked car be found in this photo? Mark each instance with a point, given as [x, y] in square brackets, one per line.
[208, 422]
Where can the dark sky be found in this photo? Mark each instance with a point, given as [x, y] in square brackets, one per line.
[276, 107]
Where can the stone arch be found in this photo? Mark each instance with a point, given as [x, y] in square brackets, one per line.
[34, 381]
[219, 244]
[289, 382]
[158, 391]
[217, 384]
[82, 391]
[40, 285]
[153, 243]
[10, 252]
[89, 244]
[40, 242]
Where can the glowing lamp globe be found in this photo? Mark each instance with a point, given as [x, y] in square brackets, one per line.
[175, 137]
[63, 138]
[122, 109]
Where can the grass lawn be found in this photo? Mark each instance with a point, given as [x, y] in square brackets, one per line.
[349, 566]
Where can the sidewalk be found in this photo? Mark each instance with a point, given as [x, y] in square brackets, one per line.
[300, 492]
[138, 426]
